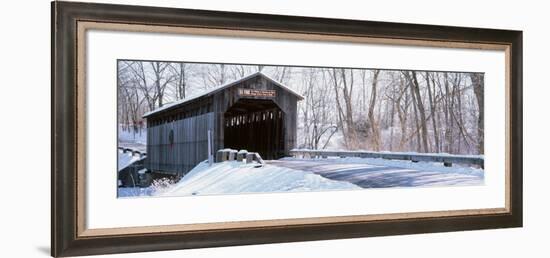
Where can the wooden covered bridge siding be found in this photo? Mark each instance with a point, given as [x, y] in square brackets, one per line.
[262, 120]
[261, 131]
[263, 124]
[180, 145]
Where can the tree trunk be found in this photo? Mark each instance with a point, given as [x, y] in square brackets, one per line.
[182, 81]
[421, 111]
[415, 110]
[339, 106]
[478, 82]
[347, 94]
[373, 123]
[432, 111]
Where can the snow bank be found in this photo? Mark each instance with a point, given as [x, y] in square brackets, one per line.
[139, 137]
[125, 159]
[236, 177]
[135, 192]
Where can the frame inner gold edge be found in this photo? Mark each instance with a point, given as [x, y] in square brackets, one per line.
[82, 232]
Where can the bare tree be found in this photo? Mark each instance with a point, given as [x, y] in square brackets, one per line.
[342, 108]
[180, 79]
[421, 110]
[343, 86]
[317, 124]
[215, 74]
[335, 83]
[129, 94]
[478, 85]
[142, 81]
[431, 99]
[161, 79]
[373, 123]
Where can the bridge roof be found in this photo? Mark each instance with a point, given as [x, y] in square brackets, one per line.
[212, 91]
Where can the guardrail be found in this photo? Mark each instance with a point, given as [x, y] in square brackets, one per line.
[446, 159]
[134, 152]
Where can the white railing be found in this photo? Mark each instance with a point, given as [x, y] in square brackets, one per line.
[234, 155]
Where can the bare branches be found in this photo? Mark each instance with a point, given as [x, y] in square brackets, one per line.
[342, 108]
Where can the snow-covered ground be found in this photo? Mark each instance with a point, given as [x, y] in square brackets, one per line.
[381, 173]
[296, 174]
[130, 136]
[124, 192]
[125, 159]
[420, 166]
[236, 177]
[134, 140]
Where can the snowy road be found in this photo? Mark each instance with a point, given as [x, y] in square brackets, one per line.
[378, 176]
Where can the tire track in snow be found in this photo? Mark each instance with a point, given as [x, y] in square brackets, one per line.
[376, 176]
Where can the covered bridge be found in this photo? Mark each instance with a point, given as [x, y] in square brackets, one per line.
[255, 113]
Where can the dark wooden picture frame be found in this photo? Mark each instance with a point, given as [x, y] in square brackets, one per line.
[69, 238]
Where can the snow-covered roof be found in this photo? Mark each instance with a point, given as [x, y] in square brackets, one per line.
[222, 87]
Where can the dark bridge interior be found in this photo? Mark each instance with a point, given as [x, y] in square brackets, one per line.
[255, 125]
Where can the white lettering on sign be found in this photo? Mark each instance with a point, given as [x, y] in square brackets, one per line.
[257, 93]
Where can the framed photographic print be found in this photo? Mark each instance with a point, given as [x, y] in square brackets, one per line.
[176, 128]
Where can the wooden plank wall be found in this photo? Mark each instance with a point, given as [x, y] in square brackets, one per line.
[260, 132]
[189, 147]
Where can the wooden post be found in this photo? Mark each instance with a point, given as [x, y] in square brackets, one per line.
[225, 155]
[241, 155]
[210, 158]
[219, 156]
[232, 155]
[249, 157]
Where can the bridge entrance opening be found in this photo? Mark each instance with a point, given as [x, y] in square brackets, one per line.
[256, 125]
